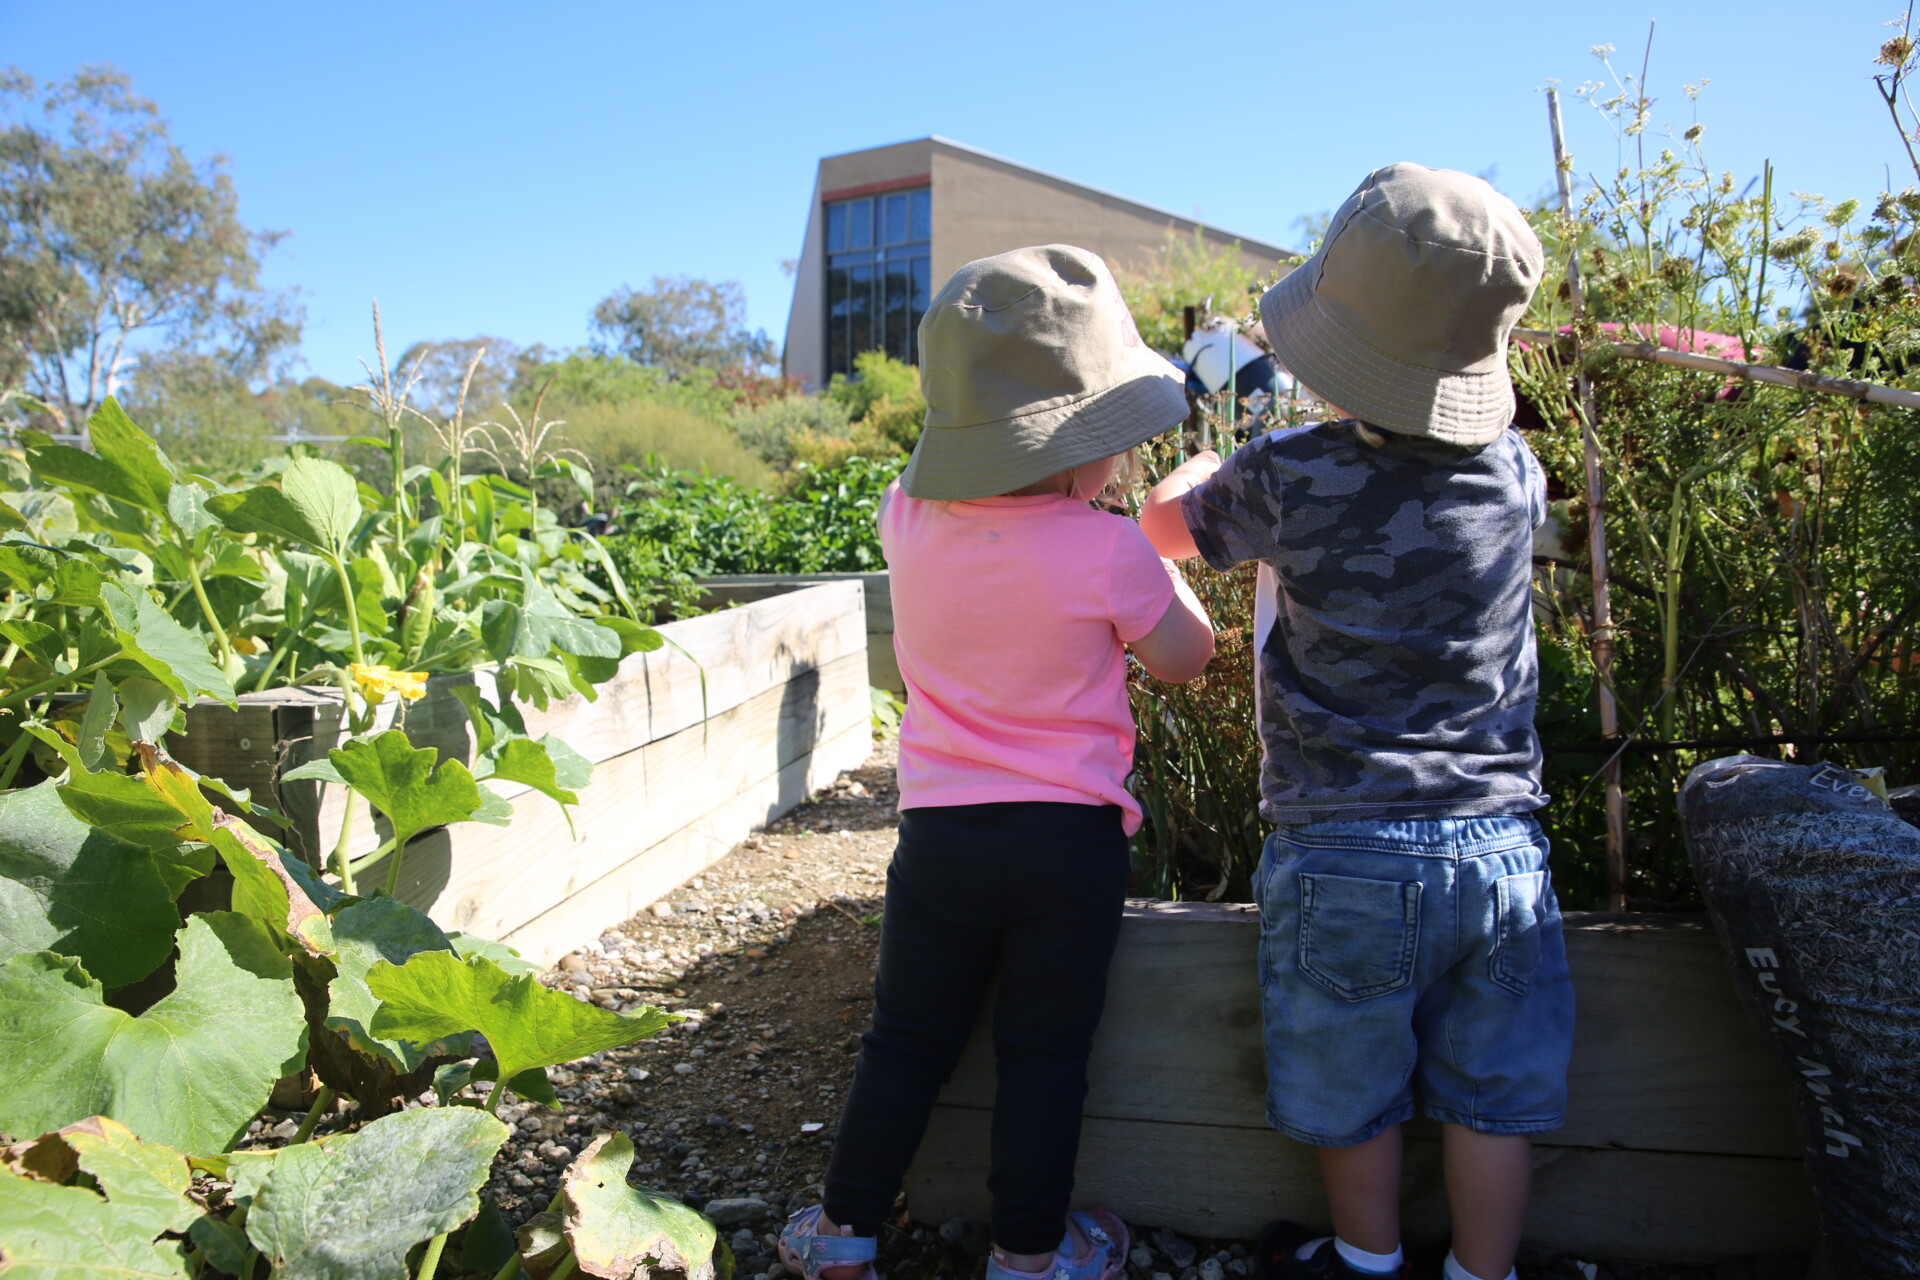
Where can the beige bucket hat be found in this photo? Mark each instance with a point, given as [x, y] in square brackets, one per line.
[1401, 318]
[1030, 365]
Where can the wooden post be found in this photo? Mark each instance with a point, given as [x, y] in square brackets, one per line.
[1602, 634]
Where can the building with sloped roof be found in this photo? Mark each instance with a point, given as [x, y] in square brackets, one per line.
[888, 224]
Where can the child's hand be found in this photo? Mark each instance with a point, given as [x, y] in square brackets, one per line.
[1160, 517]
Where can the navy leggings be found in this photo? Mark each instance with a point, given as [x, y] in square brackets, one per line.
[1030, 890]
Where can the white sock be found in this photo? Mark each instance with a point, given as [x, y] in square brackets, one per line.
[1454, 1271]
[1361, 1260]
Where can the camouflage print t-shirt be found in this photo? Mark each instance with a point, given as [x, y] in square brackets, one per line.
[1396, 671]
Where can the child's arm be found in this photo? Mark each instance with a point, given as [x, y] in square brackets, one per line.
[1160, 517]
[1181, 643]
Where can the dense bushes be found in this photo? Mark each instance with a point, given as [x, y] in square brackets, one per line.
[676, 527]
[1763, 540]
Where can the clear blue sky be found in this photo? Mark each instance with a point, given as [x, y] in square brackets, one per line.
[493, 168]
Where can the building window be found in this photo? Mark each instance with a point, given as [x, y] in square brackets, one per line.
[879, 276]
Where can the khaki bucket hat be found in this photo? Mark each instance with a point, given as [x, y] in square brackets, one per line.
[1030, 365]
[1401, 317]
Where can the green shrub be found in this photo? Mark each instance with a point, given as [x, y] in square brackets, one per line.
[678, 526]
[654, 434]
[878, 377]
[1187, 271]
[769, 430]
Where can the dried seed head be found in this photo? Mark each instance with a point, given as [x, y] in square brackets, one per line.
[1896, 52]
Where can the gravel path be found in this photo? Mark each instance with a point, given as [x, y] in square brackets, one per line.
[769, 956]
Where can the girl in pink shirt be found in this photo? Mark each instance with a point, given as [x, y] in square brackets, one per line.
[1014, 603]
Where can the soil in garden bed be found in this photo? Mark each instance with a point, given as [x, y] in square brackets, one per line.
[770, 956]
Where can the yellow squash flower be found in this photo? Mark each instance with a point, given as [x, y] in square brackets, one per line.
[377, 681]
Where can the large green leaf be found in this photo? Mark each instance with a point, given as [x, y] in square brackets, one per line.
[538, 624]
[367, 933]
[534, 764]
[145, 1176]
[121, 444]
[317, 503]
[466, 944]
[618, 1232]
[76, 583]
[102, 709]
[526, 1024]
[187, 508]
[531, 1084]
[189, 1072]
[49, 1232]
[402, 783]
[171, 654]
[67, 887]
[25, 566]
[350, 1211]
[262, 887]
[146, 709]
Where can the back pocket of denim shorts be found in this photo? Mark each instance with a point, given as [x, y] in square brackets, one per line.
[1518, 908]
[1358, 937]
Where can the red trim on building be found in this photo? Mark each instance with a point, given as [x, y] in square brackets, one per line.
[875, 188]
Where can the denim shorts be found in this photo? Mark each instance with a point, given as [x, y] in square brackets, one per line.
[1412, 957]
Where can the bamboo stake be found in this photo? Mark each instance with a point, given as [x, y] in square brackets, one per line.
[1602, 634]
[1796, 379]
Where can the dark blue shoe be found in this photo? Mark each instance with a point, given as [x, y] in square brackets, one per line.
[1275, 1257]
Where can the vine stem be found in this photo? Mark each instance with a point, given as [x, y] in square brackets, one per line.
[15, 754]
[206, 608]
[48, 686]
[321, 1101]
[342, 864]
[430, 1260]
[393, 867]
[353, 610]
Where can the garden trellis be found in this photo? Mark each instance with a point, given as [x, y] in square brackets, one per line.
[1652, 274]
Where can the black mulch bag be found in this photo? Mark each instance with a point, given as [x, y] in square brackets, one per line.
[1814, 886]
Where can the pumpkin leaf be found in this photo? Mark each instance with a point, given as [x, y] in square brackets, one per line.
[618, 1231]
[138, 1175]
[171, 654]
[526, 1024]
[87, 893]
[531, 1084]
[69, 1233]
[376, 931]
[351, 1210]
[317, 503]
[189, 1072]
[402, 782]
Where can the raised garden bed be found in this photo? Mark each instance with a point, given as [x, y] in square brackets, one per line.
[883, 669]
[742, 715]
[1679, 1146]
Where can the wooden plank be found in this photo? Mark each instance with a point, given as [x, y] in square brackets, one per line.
[500, 878]
[239, 746]
[883, 667]
[732, 588]
[1664, 1057]
[649, 875]
[1226, 1183]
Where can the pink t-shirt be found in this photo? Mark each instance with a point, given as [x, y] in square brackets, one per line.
[1008, 619]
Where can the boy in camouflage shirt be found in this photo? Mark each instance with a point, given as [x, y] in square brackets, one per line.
[1410, 941]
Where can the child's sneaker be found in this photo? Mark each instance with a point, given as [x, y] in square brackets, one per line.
[805, 1252]
[1277, 1257]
